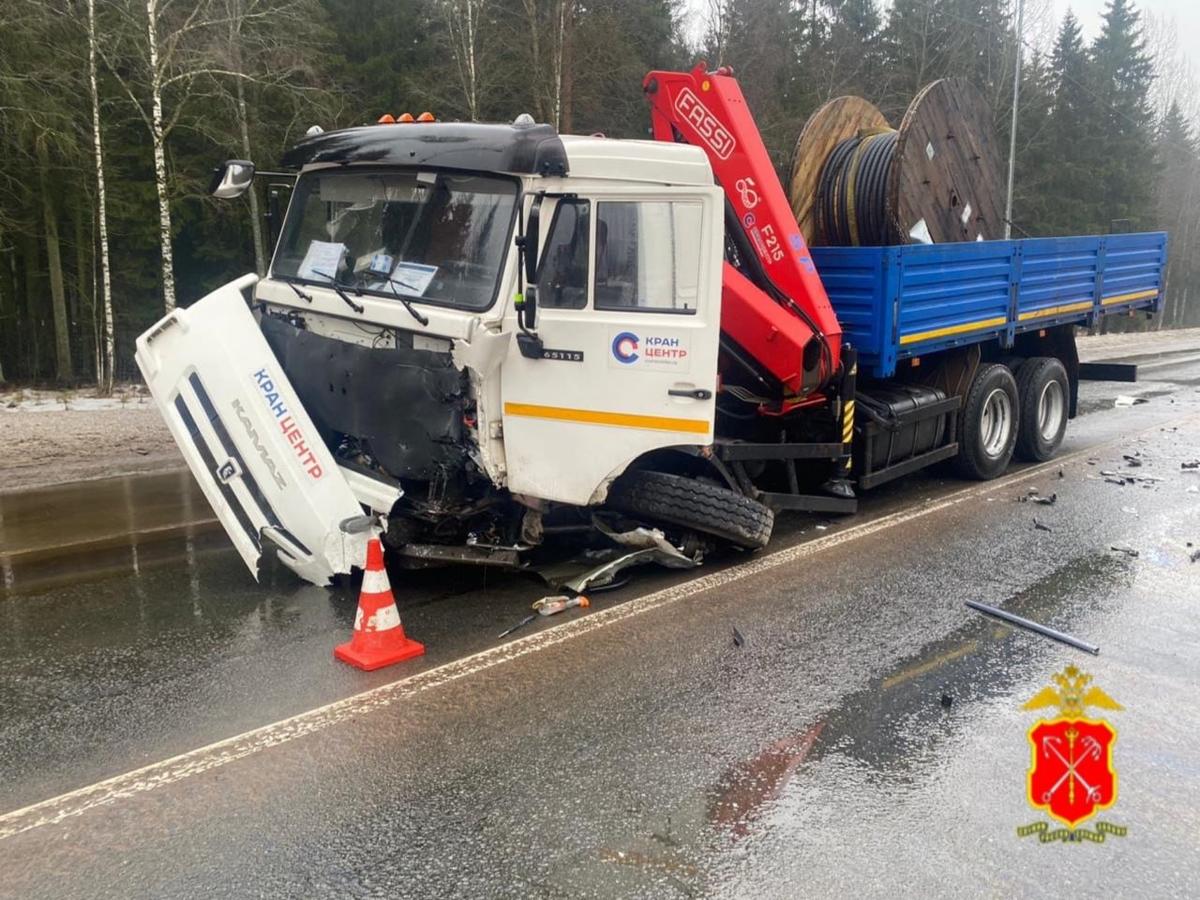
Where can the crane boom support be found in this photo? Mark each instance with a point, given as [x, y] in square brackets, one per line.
[800, 348]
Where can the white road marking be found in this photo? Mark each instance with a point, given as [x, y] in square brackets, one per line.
[204, 759]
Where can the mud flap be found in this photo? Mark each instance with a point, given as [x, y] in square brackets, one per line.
[252, 447]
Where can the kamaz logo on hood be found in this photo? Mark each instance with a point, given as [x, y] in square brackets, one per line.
[230, 470]
[287, 424]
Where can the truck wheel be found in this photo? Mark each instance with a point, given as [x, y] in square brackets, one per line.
[694, 504]
[1043, 390]
[987, 424]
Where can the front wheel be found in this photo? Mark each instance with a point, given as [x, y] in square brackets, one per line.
[695, 504]
[1043, 388]
[987, 423]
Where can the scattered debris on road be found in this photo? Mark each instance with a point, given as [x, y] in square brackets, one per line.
[738, 640]
[549, 606]
[1126, 400]
[1040, 526]
[1036, 627]
[525, 621]
[1190, 464]
[1195, 555]
[947, 701]
[1128, 551]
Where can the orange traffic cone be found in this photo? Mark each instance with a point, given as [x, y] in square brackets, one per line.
[378, 638]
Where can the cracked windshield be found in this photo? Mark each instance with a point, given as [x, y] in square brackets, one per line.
[438, 237]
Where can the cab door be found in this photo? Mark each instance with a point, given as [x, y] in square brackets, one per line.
[628, 293]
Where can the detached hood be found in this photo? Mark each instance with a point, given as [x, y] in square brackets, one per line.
[246, 437]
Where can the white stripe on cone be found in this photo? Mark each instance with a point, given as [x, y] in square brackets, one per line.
[382, 619]
[375, 582]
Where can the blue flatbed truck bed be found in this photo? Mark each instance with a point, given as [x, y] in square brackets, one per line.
[914, 300]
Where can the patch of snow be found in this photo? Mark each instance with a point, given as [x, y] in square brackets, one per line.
[27, 400]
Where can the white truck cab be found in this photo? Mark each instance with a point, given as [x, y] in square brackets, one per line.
[402, 355]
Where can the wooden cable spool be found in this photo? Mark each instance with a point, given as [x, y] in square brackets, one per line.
[935, 179]
[836, 121]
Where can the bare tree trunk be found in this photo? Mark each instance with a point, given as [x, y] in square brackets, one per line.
[58, 298]
[3, 294]
[462, 22]
[243, 118]
[30, 258]
[559, 43]
[567, 113]
[535, 57]
[160, 159]
[104, 372]
[260, 256]
[82, 295]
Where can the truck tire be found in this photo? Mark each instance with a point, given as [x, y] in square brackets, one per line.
[1042, 389]
[692, 503]
[987, 423]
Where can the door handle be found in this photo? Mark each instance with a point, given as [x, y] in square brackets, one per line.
[694, 393]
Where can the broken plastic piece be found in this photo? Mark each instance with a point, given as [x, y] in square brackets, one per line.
[1126, 400]
[548, 606]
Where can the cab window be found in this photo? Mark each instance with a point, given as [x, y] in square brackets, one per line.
[648, 255]
[563, 270]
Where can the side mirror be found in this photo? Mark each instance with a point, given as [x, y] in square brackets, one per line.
[528, 242]
[532, 234]
[231, 179]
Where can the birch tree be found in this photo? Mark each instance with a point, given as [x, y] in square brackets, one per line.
[105, 366]
[170, 47]
[464, 19]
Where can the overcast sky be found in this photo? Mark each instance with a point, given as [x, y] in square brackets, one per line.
[1185, 13]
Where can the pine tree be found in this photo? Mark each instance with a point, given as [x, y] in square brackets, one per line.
[1178, 196]
[850, 60]
[1035, 161]
[1121, 75]
[1071, 200]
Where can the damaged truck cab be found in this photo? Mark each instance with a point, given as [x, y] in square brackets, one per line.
[489, 335]
[451, 311]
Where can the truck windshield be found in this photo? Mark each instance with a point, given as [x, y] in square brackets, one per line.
[426, 236]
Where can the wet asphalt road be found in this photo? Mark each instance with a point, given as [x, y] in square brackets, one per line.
[634, 750]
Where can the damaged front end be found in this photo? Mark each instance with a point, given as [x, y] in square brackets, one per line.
[244, 432]
[291, 433]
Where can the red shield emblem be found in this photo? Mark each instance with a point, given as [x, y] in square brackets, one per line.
[1071, 776]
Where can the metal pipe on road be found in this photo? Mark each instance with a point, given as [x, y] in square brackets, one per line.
[1035, 627]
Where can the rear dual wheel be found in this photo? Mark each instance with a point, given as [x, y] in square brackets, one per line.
[987, 423]
[1003, 414]
[1043, 391]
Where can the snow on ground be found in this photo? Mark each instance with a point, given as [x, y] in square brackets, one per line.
[51, 437]
[125, 396]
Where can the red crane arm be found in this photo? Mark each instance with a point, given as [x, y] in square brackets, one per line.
[777, 311]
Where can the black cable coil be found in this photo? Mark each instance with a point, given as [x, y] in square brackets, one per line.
[852, 192]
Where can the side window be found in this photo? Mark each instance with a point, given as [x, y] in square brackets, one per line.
[563, 270]
[648, 255]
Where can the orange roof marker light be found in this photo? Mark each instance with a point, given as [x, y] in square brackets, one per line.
[387, 119]
[426, 117]
[405, 118]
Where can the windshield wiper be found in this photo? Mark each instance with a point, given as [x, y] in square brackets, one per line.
[303, 295]
[412, 310]
[357, 307]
